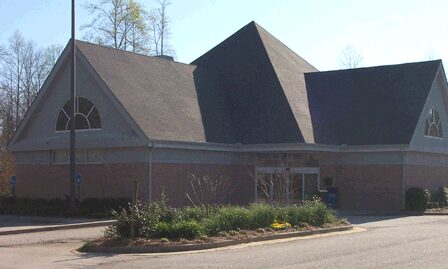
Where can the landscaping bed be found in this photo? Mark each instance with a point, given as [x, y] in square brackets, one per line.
[160, 228]
[142, 245]
[441, 210]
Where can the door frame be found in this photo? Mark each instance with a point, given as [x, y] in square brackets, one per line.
[288, 171]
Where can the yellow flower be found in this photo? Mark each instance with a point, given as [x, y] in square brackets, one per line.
[280, 225]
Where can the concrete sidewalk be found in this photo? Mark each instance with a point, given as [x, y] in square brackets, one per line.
[10, 224]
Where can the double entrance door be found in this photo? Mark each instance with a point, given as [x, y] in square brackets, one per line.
[286, 186]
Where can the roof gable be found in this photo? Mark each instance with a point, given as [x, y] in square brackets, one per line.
[159, 94]
[366, 106]
[262, 83]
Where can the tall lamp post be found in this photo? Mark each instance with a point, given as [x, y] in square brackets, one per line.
[72, 115]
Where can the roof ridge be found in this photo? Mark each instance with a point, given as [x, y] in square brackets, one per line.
[130, 52]
[377, 66]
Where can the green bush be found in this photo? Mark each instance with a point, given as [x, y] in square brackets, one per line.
[311, 212]
[228, 218]
[147, 216]
[417, 199]
[193, 213]
[157, 220]
[441, 197]
[263, 215]
[181, 229]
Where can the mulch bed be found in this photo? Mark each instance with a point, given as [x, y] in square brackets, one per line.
[437, 210]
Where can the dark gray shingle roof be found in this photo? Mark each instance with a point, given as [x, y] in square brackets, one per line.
[368, 106]
[159, 94]
[253, 89]
[260, 83]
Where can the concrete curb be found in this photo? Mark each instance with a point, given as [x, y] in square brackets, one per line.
[416, 213]
[435, 214]
[191, 247]
[59, 227]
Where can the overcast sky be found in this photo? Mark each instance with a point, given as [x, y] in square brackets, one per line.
[383, 32]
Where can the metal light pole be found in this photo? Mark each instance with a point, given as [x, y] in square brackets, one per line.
[72, 116]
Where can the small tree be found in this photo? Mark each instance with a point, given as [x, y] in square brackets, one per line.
[350, 58]
[159, 23]
[207, 191]
[120, 24]
[274, 188]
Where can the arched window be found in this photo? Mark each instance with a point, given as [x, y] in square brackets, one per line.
[86, 116]
[433, 126]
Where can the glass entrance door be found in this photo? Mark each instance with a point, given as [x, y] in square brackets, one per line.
[310, 186]
[278, 186]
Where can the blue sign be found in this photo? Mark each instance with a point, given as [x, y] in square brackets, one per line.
[13, 180]
[78, 179]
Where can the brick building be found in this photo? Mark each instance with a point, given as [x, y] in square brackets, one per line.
[250, 110]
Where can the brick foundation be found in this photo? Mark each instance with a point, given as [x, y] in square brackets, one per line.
[367, 187]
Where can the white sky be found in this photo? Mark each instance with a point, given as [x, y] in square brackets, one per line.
[383, 32]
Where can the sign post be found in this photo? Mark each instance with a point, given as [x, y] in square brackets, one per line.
[13, 185]
[78, 185]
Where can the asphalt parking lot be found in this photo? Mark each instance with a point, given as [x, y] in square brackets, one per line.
[387, 242]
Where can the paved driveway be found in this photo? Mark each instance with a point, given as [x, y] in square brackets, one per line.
[388, 242]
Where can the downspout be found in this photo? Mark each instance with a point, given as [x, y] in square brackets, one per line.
[149, 164]
[403, 200]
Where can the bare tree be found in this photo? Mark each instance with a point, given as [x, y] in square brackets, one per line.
[159, 28]
[23, 69]
[120, 24]
[350, 58]
[207, 191]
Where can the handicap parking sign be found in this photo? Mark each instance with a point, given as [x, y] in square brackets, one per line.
[78, 179]
[13, 180]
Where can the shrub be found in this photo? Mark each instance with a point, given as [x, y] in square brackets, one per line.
[194, 213]
[417, 199]
[228, 218]
[181, 229]
[441, 196]
[312, 212]
[147, 216]
[157, 220]
[263, 215]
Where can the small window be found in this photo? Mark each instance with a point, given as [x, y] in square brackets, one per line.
[94, 156]
[433, 126]
[60, 157]
[82, 156]
[86, 116]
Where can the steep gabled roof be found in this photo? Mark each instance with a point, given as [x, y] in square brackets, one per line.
[262, 84]
[159, 94]
[368, 106]
[290, 69]
[252, 89]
